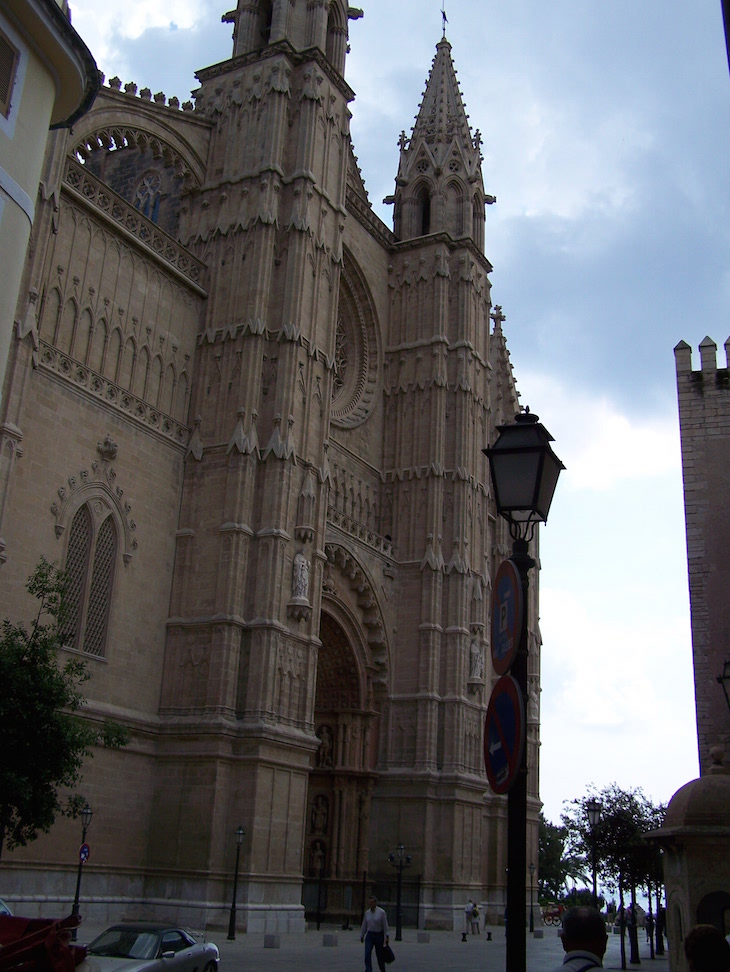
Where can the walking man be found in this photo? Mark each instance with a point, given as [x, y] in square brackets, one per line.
[375, 933]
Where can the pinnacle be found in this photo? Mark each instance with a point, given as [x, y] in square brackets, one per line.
[442, 116]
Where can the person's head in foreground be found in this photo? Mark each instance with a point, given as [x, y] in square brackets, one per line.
[707, 950]
[584, 930]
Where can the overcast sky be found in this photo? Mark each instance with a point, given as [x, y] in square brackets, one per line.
[605, 133]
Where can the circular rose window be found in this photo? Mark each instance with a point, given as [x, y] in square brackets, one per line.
[356, 356]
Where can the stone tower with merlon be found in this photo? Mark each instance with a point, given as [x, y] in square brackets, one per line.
[704, 422]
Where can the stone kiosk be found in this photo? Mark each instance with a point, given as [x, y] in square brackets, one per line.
[695, 839]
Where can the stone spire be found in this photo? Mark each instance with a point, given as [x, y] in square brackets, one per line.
[439, 187]
[442, 118]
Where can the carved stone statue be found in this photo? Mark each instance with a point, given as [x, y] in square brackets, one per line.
[300, 576]
[324, 753]
[320, 814]
[476, 659]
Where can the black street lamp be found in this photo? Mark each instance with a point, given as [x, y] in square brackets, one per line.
[532, 892]
[593, 810]
[240, 834]
[524, 472]
[724, 680]
[86, 814]
[399, 860]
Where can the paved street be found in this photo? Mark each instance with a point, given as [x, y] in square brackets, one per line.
[444, 953]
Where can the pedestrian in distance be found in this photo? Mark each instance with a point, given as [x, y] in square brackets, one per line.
[474, 920]
[375, 934]
[707, 949]
[468, 908]
[584, 940]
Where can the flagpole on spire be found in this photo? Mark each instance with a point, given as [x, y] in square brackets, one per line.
[443, 16]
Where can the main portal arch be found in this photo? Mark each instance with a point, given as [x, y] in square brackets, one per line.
[343, 777]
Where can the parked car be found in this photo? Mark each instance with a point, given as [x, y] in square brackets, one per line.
[150, 947]
[4, 910]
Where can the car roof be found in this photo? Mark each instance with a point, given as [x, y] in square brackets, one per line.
[144, 926]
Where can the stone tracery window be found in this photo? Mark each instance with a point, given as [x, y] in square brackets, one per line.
[147, 195]
[90, 563]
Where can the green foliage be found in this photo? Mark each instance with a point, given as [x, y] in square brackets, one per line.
[624, 858]
[557, 864]
[44, 738]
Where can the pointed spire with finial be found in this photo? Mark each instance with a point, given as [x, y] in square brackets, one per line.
[441, 157]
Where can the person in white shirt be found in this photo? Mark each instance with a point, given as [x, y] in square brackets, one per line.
[584, 940]
[375, 933]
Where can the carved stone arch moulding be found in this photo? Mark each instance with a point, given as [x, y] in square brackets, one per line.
[357, 358]
[343, 567]
[97, 484]
[110, 127]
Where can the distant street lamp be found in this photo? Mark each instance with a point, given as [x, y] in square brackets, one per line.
[399, 860]
[724, 680]
[532, 888]
[240, 834]
[593, 810]
[524, 472]
[86, 814]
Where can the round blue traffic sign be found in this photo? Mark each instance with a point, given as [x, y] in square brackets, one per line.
[506, 616]
[504, 734]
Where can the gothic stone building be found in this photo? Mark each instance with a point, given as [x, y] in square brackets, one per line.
[247, 417]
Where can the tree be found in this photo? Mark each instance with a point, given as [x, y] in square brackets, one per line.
[45, 740]
[625, 859]
[556, 863]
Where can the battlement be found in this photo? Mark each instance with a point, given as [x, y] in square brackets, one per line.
[708, 357]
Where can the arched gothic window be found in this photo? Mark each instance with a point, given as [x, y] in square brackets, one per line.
[423, 212]
[90, 561]
[265, 17]
[147, 195]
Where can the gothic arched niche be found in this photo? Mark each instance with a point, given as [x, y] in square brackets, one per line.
[357, 350]
[341, 781]
[337, 677]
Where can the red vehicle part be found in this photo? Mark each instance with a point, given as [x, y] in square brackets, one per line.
[39, 944]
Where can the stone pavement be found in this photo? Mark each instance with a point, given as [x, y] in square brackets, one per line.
[445, 952]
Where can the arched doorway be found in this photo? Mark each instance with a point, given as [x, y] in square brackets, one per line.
[342, 779]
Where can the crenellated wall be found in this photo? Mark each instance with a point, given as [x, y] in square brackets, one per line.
[704, 421]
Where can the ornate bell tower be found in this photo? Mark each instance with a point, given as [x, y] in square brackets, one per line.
[242, 645]
[438, 416]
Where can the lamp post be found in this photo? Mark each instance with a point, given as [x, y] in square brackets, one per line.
[593, 810]
[532, 890]
[240, 834]
[399, 860]
[86, 814]
[524, 471]
[724, 680]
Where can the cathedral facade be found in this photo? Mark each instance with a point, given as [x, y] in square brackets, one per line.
[248, 418]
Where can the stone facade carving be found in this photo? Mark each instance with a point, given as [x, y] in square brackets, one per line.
[296, 399]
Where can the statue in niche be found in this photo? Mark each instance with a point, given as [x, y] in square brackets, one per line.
[476, 660]
[300, 577]
[324, 753]
[317, 858]
[320, 814]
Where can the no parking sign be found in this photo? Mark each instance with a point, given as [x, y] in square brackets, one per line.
[504, 735]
